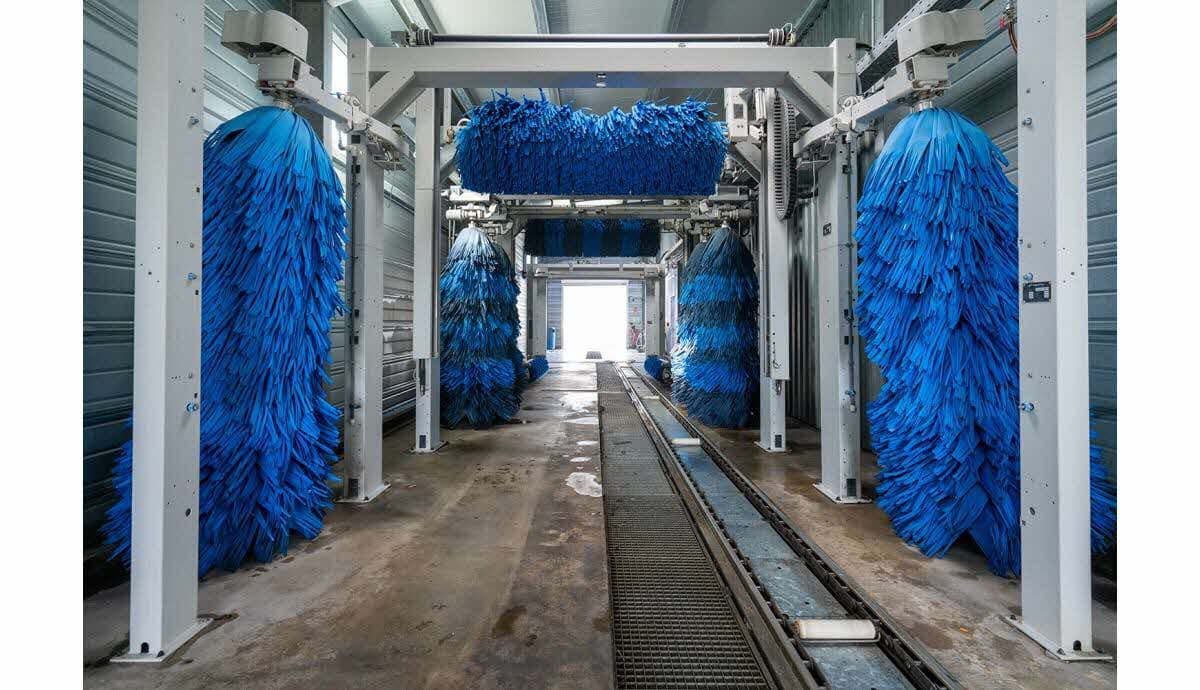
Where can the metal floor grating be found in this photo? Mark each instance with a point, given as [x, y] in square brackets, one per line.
[673, 624]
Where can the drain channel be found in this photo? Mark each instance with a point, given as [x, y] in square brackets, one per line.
[674, 625]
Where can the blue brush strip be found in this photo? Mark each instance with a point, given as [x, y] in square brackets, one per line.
[532, 146]
[714, 366]
[937, 280]
[653, 366]
[274, 245]
[538, 366]
[627, 237]
[482, 368]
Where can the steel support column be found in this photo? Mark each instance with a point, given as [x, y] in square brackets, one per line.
[670, 307]
[362, 472]
[536, 289]
[837, 182]
[166, 365]
[426, 268]
[1055, 500]
[653, 313]
[773, 308]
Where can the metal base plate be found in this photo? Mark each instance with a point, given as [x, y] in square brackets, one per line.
[1053, 650]
[371, 495]
[843, 500]
[770, 449]
[427, 451]
[132, 657]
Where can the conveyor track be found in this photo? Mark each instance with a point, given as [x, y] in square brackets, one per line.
[767, 571]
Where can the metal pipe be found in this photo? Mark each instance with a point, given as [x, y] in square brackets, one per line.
[599, 38]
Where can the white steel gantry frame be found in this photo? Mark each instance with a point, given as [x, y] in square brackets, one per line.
[1056, 602]
[774, 262]
[837, 261]
[1056, 584]
[405, 73]
[166, 331]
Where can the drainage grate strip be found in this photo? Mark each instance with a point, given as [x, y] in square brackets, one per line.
[673, 624]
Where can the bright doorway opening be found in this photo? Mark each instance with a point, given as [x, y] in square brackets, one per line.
[595, 318]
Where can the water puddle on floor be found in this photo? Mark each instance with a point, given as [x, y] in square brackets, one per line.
[585, 484]
[581, 458]
[586, 443]
[592, 421]
[578, 402]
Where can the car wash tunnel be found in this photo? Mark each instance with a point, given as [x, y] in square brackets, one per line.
[601, 359]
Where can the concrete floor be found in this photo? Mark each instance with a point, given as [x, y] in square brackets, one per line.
[484, 566]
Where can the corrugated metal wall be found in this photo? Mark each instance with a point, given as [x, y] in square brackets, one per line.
[803, 389]
[399, 389]
[985, 90]
[109, 139]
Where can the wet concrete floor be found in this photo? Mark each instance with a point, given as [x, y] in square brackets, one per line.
[484, 566]
[479, 568]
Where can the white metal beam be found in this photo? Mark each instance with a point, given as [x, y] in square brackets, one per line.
[166, 371]
[1055, 492]
[362, 472]
[653, 311]
[536, 289]
[624, 65]
[774, 259]
[836, 279]
[427, 233]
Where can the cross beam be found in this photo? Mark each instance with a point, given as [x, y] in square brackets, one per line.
[795, 71]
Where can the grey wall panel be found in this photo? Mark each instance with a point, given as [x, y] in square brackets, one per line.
[803, 389]
[109, 159]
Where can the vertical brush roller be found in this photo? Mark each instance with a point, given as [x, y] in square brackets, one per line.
[938, 291]
[482, 368]
[683, 346]
[274, 245]
[719, 363]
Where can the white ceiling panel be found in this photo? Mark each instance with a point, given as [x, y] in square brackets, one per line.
[484, 16]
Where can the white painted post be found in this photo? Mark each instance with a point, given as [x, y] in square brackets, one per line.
[653, 327]
[537, 314]
[837, 182]
[362, 473]
[1055, 495]
[166, 337]
[426, 269]
[773, 308]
